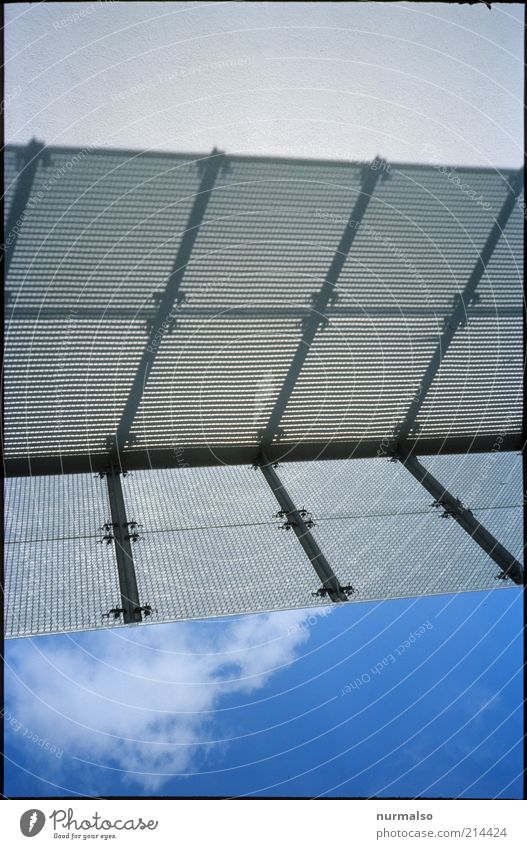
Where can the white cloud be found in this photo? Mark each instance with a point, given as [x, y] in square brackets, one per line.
[143, 699]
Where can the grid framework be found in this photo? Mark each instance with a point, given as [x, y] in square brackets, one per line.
[208, 310]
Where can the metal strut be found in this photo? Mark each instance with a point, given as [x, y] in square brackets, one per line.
[122, 537]
[330, 583]
[147, 314]
[243, 455]
[461, 303]
[29, 158]
[171, 298]
[511, 568]
[327, 295]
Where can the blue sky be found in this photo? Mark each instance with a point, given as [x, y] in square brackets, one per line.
[255, 704]
[444, 719]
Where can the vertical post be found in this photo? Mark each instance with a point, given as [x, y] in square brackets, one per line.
[123, 548]
[29, 159]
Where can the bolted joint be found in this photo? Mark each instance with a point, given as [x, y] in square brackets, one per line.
[115, 612]
[145, 609]
[343, 593]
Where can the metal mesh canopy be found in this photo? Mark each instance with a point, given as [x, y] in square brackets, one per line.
[179, 325]
[212, 545]
[101, 233]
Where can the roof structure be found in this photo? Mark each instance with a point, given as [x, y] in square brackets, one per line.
[167, 313]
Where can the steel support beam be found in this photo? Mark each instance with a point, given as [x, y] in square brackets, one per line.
[123, 549]
[453, 506]
[462, 303]
[102, 314]
[243, 455]
[164, 316]
[326, 295]
[292, 516]
[29, 157]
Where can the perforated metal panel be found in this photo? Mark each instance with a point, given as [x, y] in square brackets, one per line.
[211, 543]
[101, 230]
[66, 382]
[214, 383]
[196, 574]
[359, 378]
[10, 160]
[179, 499]
[378, 527]
[419, 240]
[478, 387]
[492, 480]
[337, 488]
[58, 576]
[97, 245]
[406, 556]
[98, 241]
[261, 245]
[88, 385]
